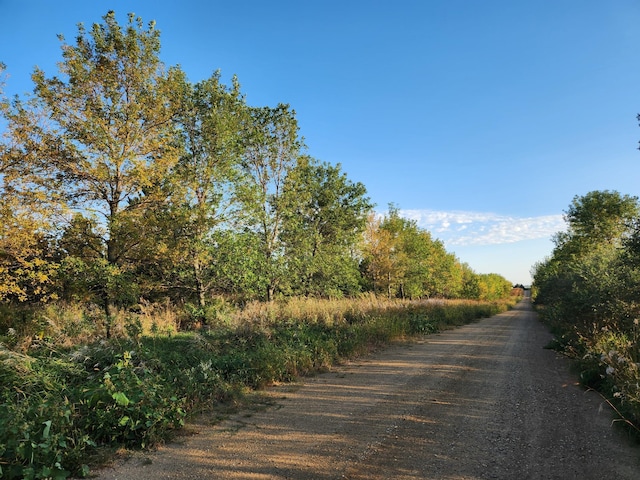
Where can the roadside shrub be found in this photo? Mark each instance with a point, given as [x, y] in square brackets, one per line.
[130, 406]
[611, 365]
[422, 324]
[39, 437]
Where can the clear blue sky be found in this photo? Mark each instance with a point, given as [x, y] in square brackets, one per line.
[480, 119]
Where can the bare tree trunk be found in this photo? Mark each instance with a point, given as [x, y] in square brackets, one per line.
[108, 312]
[200, 290]
[107, 299]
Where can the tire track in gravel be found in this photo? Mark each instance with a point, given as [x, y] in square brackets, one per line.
[484, 401]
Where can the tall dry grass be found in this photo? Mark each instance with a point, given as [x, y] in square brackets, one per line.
[67, 324]
[337, 311]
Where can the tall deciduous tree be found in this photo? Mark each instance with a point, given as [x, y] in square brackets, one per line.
[599, 218]
[404, 253]
[582, 279]
[203, 197]
[376, 263]
[324, 217]
[110, 141]
[445, 278]
[27, 207]
[271, 151]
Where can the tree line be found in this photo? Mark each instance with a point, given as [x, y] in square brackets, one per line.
[120, 179]
[587, 291]
[591, 278]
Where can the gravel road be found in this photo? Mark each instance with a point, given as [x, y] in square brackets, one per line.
[484, 401]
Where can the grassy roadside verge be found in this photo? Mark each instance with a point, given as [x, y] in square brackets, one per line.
[59, 406]
[606, 358]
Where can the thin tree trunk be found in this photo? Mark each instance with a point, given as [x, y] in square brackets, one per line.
[108, 311]
[112, 259]
[200, 290]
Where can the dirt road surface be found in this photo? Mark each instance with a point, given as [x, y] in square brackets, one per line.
[484, 401]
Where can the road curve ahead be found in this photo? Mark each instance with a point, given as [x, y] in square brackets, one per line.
[484, 401]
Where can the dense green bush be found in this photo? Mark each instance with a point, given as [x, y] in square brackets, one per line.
[587, 292]
[39, 436]
[130, 406]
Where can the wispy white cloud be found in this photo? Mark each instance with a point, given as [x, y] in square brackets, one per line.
[478, 228]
